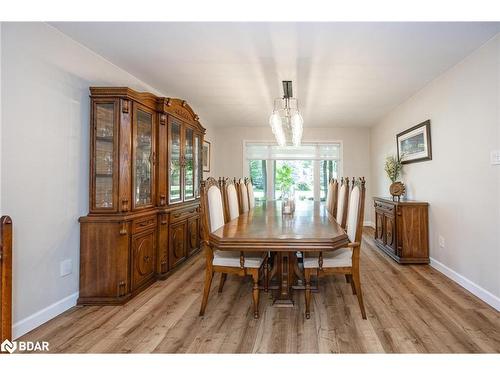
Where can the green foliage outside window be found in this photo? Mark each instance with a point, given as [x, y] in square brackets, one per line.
[284, 180]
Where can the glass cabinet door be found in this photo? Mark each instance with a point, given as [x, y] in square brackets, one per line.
[188, 165]
[196, 166]
[104, 155]
[175, 162]
[143, 163]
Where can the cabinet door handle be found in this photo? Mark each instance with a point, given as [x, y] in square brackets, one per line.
[146, 258]
[163, 199]
[177, 215]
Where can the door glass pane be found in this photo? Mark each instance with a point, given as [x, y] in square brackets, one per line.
[196, 166]
[327, 169]
[188, 168]
[104, 137]
[258, 175]
[175, 165]
[295, 174]
[143, 163]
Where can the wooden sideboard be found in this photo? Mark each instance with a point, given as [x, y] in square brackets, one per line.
[145, 174]
[402, 229]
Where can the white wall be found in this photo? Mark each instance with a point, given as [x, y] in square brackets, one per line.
[44, 159]
[463, 189]
[356, 150]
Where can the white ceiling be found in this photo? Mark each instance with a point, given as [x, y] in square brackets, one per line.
[344, 74]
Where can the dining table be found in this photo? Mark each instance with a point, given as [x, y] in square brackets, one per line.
[265, 228]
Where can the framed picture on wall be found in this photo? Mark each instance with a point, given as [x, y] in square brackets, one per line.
[414, 144]
[206, 156]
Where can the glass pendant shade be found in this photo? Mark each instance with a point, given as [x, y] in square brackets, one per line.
[286, 122]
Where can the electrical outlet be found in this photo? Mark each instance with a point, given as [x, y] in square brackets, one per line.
[441, 241]
[66, 267]
[495, 157]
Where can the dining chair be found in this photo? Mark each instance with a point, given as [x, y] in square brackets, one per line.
[234, 262]
[251, 197]
[230, 199]
[342, 202]
[345, 260]
[335, 193]
[329, 197]
[242, 195]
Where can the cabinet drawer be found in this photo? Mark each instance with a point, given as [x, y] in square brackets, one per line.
[384, 207]
[143, 224]
[180, 215]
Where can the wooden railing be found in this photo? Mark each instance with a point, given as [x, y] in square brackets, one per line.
[5, 278]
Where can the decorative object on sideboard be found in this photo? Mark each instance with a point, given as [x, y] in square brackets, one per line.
[394, 168]
[206, 156]
[414, 144]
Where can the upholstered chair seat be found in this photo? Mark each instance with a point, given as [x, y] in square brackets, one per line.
[338, 258]
[232, 259]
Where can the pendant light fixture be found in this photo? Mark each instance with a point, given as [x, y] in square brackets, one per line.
[286, 121]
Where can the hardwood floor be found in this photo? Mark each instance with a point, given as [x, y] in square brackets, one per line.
[411, 309]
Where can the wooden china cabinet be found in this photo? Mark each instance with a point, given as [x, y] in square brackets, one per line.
[145, 173]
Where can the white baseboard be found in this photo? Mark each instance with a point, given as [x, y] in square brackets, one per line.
[472, 287]
[369, 224]
[37, 319]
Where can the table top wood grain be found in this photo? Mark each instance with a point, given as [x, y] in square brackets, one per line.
[309, 228]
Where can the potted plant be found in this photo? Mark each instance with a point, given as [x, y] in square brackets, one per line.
[394, 168]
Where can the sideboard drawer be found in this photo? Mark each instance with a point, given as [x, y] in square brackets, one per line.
[385, 207]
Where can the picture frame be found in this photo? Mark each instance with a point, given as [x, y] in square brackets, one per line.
[206, 156]
[414, 144]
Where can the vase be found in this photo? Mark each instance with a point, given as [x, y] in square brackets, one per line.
[287, 201]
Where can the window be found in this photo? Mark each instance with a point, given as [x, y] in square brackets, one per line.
[301, 174]
[309, 167]
[258, 176]
[327, 169]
